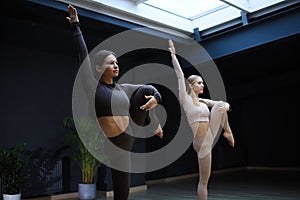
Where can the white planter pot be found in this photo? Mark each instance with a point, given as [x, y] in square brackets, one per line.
[11, 196]
[87, 191]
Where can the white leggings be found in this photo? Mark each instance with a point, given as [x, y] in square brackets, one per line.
[203, 146]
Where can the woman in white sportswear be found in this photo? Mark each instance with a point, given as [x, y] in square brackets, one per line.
[205, 118]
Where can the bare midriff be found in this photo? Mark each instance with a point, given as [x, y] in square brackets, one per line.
[199, 128]
[113, 125]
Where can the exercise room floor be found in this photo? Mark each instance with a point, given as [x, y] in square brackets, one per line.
[232, 185]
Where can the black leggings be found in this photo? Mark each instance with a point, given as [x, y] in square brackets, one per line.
[120, 179]
[140, 117]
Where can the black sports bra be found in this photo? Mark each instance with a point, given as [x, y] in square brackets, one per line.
[111, 100]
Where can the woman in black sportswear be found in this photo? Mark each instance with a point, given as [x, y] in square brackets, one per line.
[130, 100]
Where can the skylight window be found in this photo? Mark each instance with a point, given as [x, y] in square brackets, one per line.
[180, 15]
[186, 8]
[252, 5]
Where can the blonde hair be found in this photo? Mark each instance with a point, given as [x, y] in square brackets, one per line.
[191, 80]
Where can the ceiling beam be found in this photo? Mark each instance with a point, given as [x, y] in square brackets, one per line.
[139, 1]
[254, 34]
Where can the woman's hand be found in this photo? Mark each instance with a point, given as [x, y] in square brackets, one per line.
[172, 47]
[150, 104]
[73, 14]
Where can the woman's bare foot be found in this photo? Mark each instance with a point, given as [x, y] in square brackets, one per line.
[229, 136]
[160, 134]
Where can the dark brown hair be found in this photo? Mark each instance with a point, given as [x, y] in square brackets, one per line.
[98, 59]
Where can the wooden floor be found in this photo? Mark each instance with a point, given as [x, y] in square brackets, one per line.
[232, 185]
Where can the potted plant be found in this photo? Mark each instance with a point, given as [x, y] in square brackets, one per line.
[13, 170]
[87, 162]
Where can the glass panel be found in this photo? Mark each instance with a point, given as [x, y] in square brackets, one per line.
[186, 8]
[217, 18]
[252, 5]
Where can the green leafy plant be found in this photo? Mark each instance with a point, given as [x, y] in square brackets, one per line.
[92, 143]
[13, 168]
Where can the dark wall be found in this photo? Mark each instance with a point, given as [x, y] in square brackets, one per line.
[37, 71]
[37, 74]
[39, 63]
[262, 86]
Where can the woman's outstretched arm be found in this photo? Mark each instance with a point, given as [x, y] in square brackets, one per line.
[88, 79]
[183, 95]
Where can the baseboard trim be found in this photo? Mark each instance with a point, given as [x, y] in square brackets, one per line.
[138, 188]
[273, 168]
[64, 196]
[99, 193]
[164, 180]
[218, 171]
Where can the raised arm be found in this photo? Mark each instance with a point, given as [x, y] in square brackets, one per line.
[88, 79]
[77, 34]
[183, 95]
